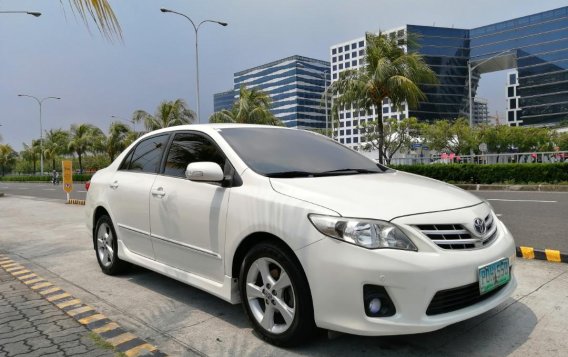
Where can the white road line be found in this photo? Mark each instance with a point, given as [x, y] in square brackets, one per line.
[538, 201]
[498, 214]
[81, 191]
[49, 189]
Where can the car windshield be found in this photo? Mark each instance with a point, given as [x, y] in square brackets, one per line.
[277, 152]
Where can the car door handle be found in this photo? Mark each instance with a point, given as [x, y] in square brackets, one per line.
[158, 192]
[114, 185]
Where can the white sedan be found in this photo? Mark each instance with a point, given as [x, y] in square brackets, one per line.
[305, 232]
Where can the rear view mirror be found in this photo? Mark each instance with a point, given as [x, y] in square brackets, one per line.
[204, 171]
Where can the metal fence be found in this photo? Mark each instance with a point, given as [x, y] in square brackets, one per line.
[503, 158]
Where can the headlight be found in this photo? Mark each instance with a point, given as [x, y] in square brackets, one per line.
[371, 234]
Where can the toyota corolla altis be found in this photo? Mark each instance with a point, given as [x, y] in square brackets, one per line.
[301, 230]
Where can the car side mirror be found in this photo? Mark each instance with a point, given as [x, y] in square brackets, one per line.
[204, 171]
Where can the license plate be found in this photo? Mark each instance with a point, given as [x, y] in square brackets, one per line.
[493, 275]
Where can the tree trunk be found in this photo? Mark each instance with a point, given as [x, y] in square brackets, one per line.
[381, 130]
[34, 166]
[80, 163]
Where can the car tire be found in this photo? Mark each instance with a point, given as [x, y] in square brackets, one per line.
[106, 247]
[279, 306]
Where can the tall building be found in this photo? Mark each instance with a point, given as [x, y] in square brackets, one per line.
[295, 84]
[513, 109]
[223, 100]
[535, 46]
[480, 111]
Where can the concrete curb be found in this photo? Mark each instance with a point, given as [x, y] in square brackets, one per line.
[549, 255]
[122, 340]
[497, 187]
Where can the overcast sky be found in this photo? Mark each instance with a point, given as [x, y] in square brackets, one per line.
[55, 55]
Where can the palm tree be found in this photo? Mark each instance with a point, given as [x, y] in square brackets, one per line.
[56, 144]
[100, 13]
[118, 138]
[83, 139]
[252, 107]
[389, 73]
[31, 153]
[168, 113]
[7, 157]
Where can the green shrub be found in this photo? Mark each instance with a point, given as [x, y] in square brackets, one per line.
[488, 174]
[45, 178]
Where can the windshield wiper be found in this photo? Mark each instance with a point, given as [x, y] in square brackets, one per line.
[347, 172]
[288, 174]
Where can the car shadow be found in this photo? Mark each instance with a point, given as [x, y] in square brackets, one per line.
[499, 331]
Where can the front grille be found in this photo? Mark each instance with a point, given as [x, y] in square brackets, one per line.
[456, 236]
[458, 298]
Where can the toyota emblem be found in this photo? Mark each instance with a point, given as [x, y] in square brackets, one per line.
[479, 225]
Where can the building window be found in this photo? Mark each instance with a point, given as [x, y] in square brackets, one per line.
[342, 132]
[511, 91]
[341, 66]
[385, 110]
[341, 140]
[355, 131]
[334, 59]
[340, 49]
[335, 67]
[347, 65]
[353, 46]
[340, 58]
[348, 115]
[335, 76]
[513, 78]
[346, 47]
[341, 124]
[355, 121]
[348, 140]
[353, 54]
[347, 56]
[361, 62]
[400, 33]
[348, 132]
[354, 63]
[334, 51]
[512, 104]
[341, 116]
[355, 140]
[361, 52]
[361, 43]
[362, 113]
[511, 115]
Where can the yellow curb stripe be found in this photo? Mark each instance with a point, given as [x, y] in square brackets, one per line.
[117, 340]
[6, 262]
[552, 255]
[24, 277]
[528, 252]
[33, 281]
[16, 273]
[9, 265]
[51, 290]
[134, 352]
[92, 318]
[14, 268]
[68, 303]
[42, 285]
[54, 298]
[108, 327]
[79, 310]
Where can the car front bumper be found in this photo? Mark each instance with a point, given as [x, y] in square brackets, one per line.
[337, 272]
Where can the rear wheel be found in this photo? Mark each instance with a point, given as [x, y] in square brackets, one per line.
[276, 296]
[107, 247]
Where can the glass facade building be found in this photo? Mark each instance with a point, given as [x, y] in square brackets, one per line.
[534, 46]
[223, 100]
[295, 84]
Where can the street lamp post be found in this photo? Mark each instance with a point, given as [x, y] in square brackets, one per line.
[196, 28]
[39, 102]
[33, 13]
[470, 71]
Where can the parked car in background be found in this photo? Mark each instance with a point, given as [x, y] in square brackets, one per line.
[301, 230]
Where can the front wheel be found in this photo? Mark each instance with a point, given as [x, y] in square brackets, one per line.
[107, 247]
[276, 296]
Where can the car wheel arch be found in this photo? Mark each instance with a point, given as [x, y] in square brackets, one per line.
[262, 237]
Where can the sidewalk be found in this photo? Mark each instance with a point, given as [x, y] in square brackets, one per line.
[31, 326]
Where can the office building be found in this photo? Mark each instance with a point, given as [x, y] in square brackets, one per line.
[296, 86]
[223, 100]
[535, 46]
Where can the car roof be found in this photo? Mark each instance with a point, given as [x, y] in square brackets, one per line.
[212, 127]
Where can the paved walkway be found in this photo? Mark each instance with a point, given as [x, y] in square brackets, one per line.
[31, 326]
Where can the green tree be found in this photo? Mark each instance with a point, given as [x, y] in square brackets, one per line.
[389, 72]
[7, 157]
[83, 139]
[398, 135]
[168, 113]
[31, 153]
[562, 141]
[252, 107]
[55, 145]
[116, 141]
[457, 136]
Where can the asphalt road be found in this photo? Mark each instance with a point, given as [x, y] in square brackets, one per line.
[50, 239]
[536, 219]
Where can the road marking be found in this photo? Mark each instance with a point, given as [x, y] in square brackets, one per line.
[498, 214]
[49, 189]
[504, 200]
[81, 191]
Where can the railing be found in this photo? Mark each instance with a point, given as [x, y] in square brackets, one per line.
[502, 158]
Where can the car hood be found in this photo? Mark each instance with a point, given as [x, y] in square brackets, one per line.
[382, 196]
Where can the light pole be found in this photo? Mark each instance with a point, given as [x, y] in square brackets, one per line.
[196, 28]
[33, 13]
[39, 102]
[469, 72]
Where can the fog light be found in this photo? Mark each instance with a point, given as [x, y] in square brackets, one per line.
[377, 302]
[375, 306]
